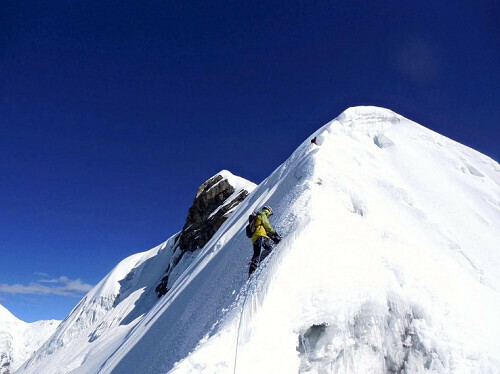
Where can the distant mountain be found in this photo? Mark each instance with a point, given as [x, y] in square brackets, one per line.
[19, 339]
[389, 263]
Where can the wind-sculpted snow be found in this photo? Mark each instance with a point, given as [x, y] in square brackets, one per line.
[390, 244]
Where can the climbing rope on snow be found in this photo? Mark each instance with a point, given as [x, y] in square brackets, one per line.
[238, 330]
[251, 282]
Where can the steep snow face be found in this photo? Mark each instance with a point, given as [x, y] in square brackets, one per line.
[104, 314]
[389, 263]
[104, 317]
[18, 339]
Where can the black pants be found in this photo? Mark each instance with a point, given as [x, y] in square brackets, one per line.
[261, 249]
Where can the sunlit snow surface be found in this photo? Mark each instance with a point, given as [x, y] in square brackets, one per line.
[390, 263]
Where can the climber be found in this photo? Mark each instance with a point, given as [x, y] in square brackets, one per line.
[260, 238]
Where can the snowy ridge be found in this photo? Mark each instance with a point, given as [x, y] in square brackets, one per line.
[99, 318]
[389, 263]
[19, 339]
[104, 317]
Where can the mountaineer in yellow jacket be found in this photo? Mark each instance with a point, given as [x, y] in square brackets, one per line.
[260, 238]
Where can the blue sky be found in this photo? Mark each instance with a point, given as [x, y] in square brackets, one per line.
[112, 113]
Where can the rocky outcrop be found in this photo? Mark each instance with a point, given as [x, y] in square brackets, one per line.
[215, 200]
[208, 212]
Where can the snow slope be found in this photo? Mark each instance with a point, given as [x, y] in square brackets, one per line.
[389, 263]
[19, 339]
[104, 317]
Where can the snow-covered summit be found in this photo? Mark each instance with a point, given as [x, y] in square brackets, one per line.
[6, 315]
[389, 263]
[362, 114]
[237, 182]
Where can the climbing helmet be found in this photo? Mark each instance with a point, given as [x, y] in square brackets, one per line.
[268, 208]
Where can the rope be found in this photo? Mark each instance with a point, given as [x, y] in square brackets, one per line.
[238, 334]
[242, 310]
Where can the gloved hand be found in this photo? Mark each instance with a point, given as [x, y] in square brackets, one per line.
[276, 238]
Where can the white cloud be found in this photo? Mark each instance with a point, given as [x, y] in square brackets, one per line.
[61, 279]
[41, 274]
[62, 286]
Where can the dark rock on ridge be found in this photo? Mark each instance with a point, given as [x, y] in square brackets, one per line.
[211, 207]
[201, 224]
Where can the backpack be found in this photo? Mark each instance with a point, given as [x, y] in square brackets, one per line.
[250, 229]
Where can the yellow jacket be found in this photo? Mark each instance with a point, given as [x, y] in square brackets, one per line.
[262, 226]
